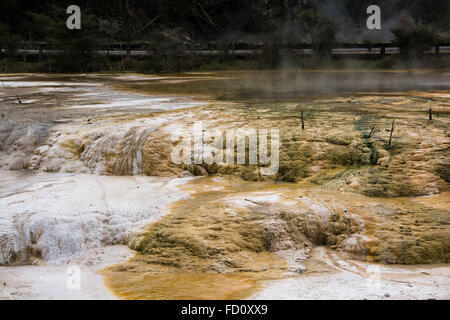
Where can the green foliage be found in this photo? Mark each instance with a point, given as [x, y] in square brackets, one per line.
[413, 42]
[9, 41]
[319, 30]
[170, 26]
[75, 47]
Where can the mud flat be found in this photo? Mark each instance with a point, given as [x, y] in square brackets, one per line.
[233, 238]
[50, 281]
[331, 275]
[53, 221]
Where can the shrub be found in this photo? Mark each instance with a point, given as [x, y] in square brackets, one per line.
[320, 31]
[8, 41]
[413, 42]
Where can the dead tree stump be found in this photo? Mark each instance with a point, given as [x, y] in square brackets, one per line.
[392, 131]
[303, 120]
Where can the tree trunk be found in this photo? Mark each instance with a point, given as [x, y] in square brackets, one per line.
[288, 11]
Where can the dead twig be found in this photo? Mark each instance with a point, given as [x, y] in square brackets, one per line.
[150, 23]
[258, 203]
[373, 130]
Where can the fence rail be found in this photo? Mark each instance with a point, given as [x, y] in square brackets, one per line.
[139, 50]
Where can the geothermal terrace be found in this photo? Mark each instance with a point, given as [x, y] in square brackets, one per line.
[87, 180]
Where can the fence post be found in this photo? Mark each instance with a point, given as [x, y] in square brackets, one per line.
[437, 52]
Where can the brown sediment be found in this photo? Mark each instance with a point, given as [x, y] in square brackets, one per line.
[182, 286]
[199, 251]
[210, 248]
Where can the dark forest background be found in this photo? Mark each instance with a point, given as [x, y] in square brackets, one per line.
[169, 27]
